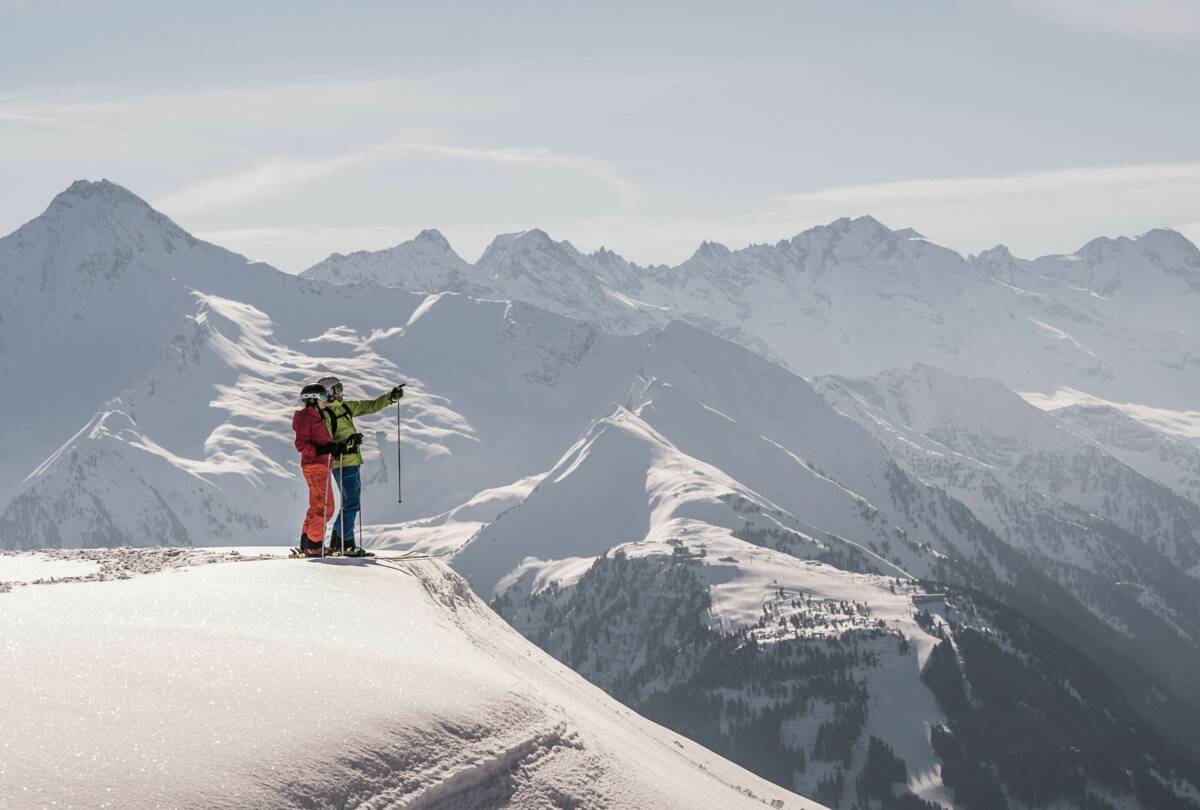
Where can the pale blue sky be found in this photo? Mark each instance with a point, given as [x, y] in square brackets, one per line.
[287, 131]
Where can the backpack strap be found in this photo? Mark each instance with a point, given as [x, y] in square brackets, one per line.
[333, 417]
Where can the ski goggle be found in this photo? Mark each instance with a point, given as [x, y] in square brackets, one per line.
[336, 389]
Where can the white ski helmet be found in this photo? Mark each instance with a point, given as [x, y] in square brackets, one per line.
[314, 392]
[332, 384]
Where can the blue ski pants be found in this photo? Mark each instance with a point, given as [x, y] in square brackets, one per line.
[350, 486]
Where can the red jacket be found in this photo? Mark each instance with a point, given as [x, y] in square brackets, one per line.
[310, 433]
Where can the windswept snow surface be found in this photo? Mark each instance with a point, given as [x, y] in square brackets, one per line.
[278, 683]
[34, 566]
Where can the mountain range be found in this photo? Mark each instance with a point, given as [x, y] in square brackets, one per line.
[1114, 319]
[821, 578]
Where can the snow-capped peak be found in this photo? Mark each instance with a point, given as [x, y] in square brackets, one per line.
[1169, 247]
[426, 263]
[103, 191]
[105, 206]
[99, 235]
[1103, 246]
[999, 262]
[865, 227]
[993, 255]
[611, 260]
[709, 251]
[433, 236]
[1146, 271]
[509, 247]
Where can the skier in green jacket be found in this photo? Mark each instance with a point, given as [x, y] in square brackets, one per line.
[339, 419]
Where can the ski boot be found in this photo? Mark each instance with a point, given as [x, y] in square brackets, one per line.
[309, 548]
[348, 549]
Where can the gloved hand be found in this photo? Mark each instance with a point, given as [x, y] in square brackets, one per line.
[353, 442]
[331, 449]
[397, 392]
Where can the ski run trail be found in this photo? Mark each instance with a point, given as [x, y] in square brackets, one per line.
[220, 679]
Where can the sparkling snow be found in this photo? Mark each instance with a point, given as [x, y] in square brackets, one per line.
[35, 566]
[272, 682]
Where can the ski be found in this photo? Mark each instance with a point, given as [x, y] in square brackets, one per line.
[412, 558]
[416, 555]
[296, 554]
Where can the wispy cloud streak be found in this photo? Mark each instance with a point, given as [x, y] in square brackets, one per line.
[276, 176]
[1084, 183]
[1039, 212]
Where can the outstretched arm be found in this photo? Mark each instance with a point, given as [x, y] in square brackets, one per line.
[365, 407]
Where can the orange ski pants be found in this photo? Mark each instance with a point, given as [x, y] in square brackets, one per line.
[320, 500]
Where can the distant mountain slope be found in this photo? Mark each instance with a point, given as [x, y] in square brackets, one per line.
[139, 680]
[1123, 544]
[1170, 460]
[838, 685]
[766, 440]
[626, 488]
[971, 435]
[426, 263]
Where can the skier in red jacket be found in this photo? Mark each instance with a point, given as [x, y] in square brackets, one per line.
[317, 451]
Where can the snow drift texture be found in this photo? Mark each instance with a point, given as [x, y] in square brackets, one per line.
[272, 683]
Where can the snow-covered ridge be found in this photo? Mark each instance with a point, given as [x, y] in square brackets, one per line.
[431, 266]
[1103, 504]
[1116, 318]
[224, 694]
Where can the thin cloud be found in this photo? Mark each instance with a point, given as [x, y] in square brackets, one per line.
[1080, 183]
[266, 180]
[1041, 209]
[27, 109]
[1160, 21]
[530, 156]
[277, 176]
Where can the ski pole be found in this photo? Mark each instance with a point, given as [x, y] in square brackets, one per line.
[342, 511]
[400, 469]
[326, 497]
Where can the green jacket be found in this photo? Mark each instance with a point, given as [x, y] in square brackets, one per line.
[339, 419]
